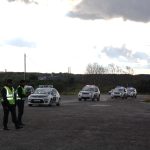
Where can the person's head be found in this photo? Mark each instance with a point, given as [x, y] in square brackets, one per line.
[22, 82]
[9, 82]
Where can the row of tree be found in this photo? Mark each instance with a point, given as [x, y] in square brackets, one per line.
[71, 83]
[95, 68]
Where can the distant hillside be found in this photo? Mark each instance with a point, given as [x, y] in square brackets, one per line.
[72, 83]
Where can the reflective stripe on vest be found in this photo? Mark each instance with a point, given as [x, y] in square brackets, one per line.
[23, 92]
[10, 95]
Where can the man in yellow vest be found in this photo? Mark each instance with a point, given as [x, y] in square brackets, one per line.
[21, 95]
[9, 104]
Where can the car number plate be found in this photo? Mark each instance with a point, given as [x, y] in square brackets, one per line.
[36, 100]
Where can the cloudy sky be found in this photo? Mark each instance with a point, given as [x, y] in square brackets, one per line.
[57, 34]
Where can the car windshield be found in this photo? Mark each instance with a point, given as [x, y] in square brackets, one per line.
[28, 88]
[42, 91]
[130, 90]
[119, 90]
[88, 89]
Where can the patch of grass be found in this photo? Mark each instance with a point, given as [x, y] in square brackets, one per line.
[147, 100]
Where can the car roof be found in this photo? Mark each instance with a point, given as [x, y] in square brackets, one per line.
[119, 87]
[28, 86]
[90, 86]
[130, 87]
[45, 86]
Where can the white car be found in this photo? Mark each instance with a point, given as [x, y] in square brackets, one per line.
[109, 92]
[28, 89]
[131, 92]
[119, 92]
[89, 92]
[44, 96]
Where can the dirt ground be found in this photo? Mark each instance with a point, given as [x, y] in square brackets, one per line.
[110, 124]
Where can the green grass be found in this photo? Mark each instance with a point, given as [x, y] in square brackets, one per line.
[147, 100]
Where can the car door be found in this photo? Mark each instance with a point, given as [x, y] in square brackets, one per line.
[96, 92]
[57, 96]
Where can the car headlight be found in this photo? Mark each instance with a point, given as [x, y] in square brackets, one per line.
[80, 93]
[91, 94]
[46, 99]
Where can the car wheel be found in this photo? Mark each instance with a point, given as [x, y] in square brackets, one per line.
[94, 97]
[98, 99]
[29, 105]
[50, 103]
[58, 104]
[79, 99]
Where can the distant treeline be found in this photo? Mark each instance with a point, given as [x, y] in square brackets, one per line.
[72, 83]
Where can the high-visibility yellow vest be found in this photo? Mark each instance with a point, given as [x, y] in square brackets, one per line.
[10, 95]
[23, 92]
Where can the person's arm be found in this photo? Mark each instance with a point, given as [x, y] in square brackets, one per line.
[20, 93]
[4, 96]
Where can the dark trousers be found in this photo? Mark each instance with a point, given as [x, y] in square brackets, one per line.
[6, 110]
[20, 105]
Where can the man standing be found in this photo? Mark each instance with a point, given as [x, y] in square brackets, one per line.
[9, 104]
[20, 101]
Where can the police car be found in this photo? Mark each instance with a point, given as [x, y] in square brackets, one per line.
[89, 92]
[44, 95]
[28, 89]
[131, 92]
[119, 91]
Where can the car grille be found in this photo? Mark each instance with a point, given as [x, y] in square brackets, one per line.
[85, 93]
[37, 101]
[38, 96]
[116, 93]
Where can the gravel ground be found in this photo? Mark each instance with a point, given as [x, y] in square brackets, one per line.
[105, 125]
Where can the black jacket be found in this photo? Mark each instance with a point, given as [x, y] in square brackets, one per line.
[20, 92]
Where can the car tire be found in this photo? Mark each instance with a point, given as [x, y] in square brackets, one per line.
[94, 97]
[50, 103]
[98, 99]
[30, 105]
[79, 99]
[58, 104]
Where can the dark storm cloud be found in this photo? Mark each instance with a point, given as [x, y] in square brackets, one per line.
[19, 42]
[123, 52]
[136, 10]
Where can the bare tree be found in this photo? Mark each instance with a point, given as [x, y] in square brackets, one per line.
[95, 69]
[89, 69]
[129, 70]
[112, 68]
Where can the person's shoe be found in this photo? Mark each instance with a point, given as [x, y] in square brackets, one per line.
[19, 127]
[22, 124]
[5, 128]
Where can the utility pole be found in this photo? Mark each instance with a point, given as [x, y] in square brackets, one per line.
[69, 70]
[24, 66]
